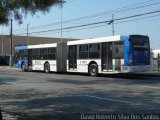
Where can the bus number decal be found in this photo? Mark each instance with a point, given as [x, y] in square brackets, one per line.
[83, 62]
[37, 62]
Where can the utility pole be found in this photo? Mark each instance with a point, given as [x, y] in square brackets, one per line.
[61, 37]
[112, 21]
[113, 24]
[27, 35]
[2, 40]
[11, 35]
[61, 22]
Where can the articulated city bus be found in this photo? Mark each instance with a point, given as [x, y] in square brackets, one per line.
[106, 55]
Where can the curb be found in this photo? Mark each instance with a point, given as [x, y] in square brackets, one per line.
[8, 68]
[157, 74]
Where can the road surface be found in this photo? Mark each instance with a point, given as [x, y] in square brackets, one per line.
[41, 96]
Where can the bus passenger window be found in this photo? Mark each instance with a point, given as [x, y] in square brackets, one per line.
[94, 51]
[44, 53]
[83, 51]
[36, 54]
[51, 53]
[118, 50]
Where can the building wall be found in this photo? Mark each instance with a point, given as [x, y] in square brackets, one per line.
[23, 40]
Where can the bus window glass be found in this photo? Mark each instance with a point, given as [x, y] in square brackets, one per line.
[140, 42]
[21, 54]
[83, 48]
[44, 53]
[51, 53]
[36, 54]
[94, 51]
[118, 50]
[140, 50]
[83, 51]
[17, 55]
[25, 54]
[94, 47]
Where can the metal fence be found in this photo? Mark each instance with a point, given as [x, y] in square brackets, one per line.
[4, 60]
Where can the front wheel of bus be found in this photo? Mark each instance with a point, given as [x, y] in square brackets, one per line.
[23, 67]
[47, 68]
[93, 70]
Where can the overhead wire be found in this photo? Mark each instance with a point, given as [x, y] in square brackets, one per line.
[138, 19]
[95, 23]
[88, 27]
[104, 24]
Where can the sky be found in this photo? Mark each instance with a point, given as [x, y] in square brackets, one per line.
[84, 12]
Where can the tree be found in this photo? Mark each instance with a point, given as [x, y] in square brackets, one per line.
[17, 9]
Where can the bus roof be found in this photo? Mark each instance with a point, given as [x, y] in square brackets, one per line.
[21, 47]
[42, 46]
[36, 46]
[95, 40]
[102, 39]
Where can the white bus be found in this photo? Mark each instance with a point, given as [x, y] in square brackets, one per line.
[114, 54]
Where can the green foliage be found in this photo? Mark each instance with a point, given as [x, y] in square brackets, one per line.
[158, 58]
[18, 8]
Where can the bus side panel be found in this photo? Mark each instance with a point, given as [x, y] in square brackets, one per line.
[19, 63]
[126, 50]
[82, 65]
[39, 65]
[61, 57]
[53, 65]
[36, 65]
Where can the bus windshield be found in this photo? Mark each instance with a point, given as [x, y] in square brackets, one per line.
[140, 50]
[140, 42]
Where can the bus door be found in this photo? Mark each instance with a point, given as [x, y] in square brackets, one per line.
[30, 57]
[118, 54]
[106, 56]
[72, 57]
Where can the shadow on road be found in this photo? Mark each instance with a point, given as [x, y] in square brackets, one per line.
[7, 80]
[36, 105]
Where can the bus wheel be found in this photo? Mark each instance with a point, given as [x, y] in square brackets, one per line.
[93, 70]
[47, 68]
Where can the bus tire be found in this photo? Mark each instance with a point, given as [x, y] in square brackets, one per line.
[93, 70]
[46, 68]
[23, 67]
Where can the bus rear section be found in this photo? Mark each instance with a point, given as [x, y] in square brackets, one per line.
[138, 55]
[44, 57]
[109, 55]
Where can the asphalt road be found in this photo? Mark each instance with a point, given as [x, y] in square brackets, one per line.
[41, 96]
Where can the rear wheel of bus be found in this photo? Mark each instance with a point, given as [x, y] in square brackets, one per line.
[46, 68]
[93, 70]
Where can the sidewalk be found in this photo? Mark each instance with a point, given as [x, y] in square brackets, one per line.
[149, 73]
[8, 68]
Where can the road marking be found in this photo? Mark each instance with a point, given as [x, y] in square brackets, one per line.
[151, 87]
[110, 99]
[12, 83]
